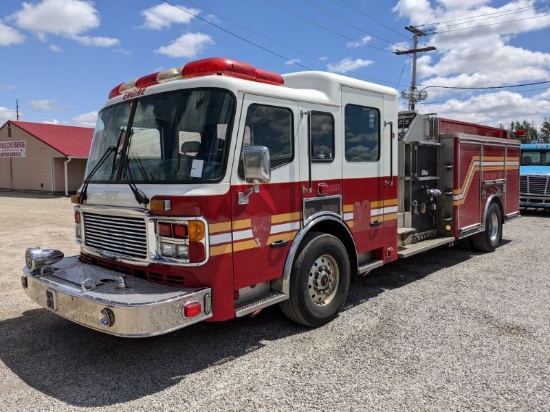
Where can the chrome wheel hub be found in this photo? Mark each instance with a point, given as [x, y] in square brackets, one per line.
[323, 280]
[493, 228]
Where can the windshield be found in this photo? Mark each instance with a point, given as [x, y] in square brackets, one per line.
[180, 136]
[535, 158]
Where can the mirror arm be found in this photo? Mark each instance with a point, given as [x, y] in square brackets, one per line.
[243, 196]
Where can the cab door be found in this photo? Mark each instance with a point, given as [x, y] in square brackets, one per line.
[369, 165]
[321, 165]
[264, 224]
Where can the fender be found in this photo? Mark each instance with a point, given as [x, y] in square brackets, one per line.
[487, 204]
[284, 287]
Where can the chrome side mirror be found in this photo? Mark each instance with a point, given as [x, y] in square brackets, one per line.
[257, 166]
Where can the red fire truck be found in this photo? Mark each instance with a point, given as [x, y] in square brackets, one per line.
[216, 189]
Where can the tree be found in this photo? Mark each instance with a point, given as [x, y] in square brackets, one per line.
[545, 130]
[531, 132]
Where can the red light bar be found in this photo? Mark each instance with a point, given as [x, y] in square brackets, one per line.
[115, 92]
[265, 76]
[204, 67]
[148, 80]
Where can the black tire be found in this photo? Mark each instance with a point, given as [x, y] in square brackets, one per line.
[465, 243]
[319, 281]
[488, 240]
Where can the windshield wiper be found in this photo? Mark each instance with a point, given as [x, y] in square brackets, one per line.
[141, 197]
[83, 195]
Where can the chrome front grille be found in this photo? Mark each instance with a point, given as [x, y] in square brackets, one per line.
[121, 236]
[534, 185]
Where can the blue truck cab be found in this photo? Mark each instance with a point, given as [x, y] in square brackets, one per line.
[534, 191]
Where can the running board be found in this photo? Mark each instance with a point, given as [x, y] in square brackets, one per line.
[423, 246]
[365, 269]
[261, 303]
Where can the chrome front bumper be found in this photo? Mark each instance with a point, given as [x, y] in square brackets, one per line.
[116, 304]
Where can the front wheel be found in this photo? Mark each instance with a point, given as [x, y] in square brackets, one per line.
[488, 240]
[319, 281]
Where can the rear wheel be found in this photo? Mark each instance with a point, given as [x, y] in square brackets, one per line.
[319, 281]
[488, 240]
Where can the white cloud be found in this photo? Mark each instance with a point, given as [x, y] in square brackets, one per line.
[9, 36]
[86, 119]
[544, 95]
[44, 104]
[60, 17]
[348, 65]
[67, 18]
[123, 51]
[55, 48]
[476, 48]
[362, 42]
[493, 108]
[418, 11]
[292, 62]
[164, 15]
[97, 41]
[188, 45]
[7, 114]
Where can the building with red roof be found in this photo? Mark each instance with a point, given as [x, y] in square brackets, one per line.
[43, 157]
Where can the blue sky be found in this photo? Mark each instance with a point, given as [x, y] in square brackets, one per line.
[60, 58]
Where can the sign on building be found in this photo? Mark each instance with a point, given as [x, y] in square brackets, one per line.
[16, 148]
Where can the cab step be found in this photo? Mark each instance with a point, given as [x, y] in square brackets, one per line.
[373, 264]
[404, 235]
[423, 246]
[251, 307]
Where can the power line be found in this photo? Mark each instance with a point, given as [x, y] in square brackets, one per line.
[349, 72]
[256, 33]
[482, 16]
[491, 24]
[486, 87]
[234, 34]
[348, 23]
[373, 19]
[324, 27]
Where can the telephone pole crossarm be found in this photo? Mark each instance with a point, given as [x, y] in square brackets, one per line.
[423, 49]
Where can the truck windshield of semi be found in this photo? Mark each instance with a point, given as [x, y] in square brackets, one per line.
[535, 176]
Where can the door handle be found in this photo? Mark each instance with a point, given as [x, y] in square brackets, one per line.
[278, 243]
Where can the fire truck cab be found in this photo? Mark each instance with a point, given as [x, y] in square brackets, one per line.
[535, 176]
[216, 189]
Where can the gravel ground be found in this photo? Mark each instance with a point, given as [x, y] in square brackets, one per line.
[450, 329]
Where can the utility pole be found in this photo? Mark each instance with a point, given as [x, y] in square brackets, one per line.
[17, 108]
[413, 94]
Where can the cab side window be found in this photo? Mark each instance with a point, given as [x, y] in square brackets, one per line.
[362, 133]
[322, 137]
[272, 127]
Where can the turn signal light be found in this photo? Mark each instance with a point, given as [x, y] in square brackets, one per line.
[196, 230]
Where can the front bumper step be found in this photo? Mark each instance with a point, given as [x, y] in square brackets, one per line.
[113, 303]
